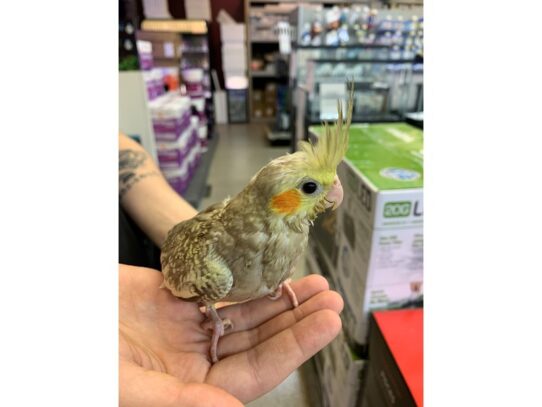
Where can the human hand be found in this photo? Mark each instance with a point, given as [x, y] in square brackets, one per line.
[164, 351]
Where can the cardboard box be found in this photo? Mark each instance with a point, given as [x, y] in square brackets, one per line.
[257, 109]
[377, 253]
[340, 370]
[164, 44]
[324, 235]
[270, 93]
[257, 96]
[269, 109]
[395, 368]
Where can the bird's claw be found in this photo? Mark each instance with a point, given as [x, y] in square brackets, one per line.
[210, 325]
[278, 293]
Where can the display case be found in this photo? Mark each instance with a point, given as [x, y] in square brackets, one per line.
[379, 49]
[358, 24]
[384, 91]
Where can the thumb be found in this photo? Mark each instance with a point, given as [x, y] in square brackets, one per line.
[142, 388]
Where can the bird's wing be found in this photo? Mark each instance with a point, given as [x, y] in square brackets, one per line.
[210, 281]
[192, 269]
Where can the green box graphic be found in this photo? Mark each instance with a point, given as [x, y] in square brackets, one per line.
[390, 155]
[397, 209]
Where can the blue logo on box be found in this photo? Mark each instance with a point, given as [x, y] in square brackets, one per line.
[400, 174]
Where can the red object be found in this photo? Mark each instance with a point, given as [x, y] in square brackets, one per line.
[403, 333]
[172, 82]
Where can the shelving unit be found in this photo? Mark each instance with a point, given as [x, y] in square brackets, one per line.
[182, 118]
[262, 43]
[384, 90]
[190, 36]
[384, 37]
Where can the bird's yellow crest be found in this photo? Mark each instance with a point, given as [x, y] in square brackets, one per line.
[331, 147]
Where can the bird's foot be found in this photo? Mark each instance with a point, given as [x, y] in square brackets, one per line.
[291, 293]
[278, 292]
[210, 325]
[218, 326]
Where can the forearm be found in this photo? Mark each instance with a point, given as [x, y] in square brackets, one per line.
[146, 195]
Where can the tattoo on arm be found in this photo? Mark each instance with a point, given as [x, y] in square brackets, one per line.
[130, 162]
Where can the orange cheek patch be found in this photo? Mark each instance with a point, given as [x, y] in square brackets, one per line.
[287, 202]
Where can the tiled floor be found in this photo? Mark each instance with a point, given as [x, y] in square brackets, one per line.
[242, 150]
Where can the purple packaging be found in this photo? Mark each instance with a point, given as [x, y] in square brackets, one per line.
[144, 49]
[173, 155]
[178, 183]
[171, 117]
[178, 179]
[150, 92]
[194, 89]
[170, 129]
[172, 158]
[145, 62]
[193, 79]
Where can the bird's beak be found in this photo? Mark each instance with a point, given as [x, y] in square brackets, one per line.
[335, 196]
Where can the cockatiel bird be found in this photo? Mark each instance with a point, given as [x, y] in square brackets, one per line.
[246, 247]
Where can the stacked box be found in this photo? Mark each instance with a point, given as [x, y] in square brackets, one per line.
[199, 105]
[340, 370]
[375, 253]
[257, 103]
[144, 50]
[193, 81]
[165, 45]
[270, 100]
[154, 82]
[177, 141]
[234, 52]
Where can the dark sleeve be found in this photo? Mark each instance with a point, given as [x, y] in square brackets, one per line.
[135, 248]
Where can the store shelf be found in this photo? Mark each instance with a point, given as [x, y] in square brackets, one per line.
[365, 118]
[368, 61]
[264, 41]
[272, 1]
[314, 119]
[359, 85]
[198, 188]
[177, 26]
[269, 76]
[277, 136]
[194, 51]
[347, 46]
[415, 119]
[314, 1]
[262, 119]
[263, 74]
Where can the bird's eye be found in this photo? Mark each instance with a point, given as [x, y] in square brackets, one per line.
[309, 187]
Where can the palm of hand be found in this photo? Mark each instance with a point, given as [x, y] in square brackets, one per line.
[164, 350]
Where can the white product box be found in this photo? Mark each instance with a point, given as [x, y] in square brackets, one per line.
[232, 33]
[234, 57]
[377, 252]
